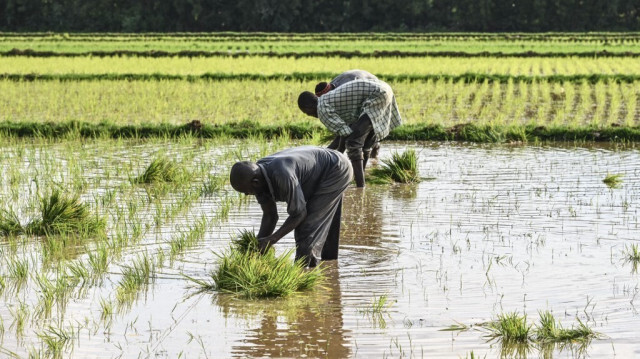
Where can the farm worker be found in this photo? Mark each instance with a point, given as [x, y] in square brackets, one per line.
[311, 180]
[362, 111]
[347, 76]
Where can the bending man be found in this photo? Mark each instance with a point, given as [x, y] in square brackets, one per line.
[311, 180]
[363, 111]
[322, 88]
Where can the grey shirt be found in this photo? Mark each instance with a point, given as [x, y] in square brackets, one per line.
[351, 75]
[296, 174]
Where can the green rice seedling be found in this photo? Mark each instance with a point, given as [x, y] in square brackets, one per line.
[632, 253]
[106, 307]
[18, 270]
[20, 316]
[510, 328]
[3, 284]
[550, 330]
[223, 209]
[613, 180]
[189, 238]
[245, 242]
[9, 223]
[99, 260]
[78, 271]
[212, 185]
[402, 168]
[60, 247]
[161, 170]
[134, 278]
[56, 341]
[252, 275]
[65, 214]
[378, 305]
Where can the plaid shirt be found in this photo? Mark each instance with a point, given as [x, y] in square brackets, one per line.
[344, 106]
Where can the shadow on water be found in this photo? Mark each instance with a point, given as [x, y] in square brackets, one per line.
[307, 324]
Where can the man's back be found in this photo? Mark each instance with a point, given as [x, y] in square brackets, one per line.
[307, 165]
[352, 75]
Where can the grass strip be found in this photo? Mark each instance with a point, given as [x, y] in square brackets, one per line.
[299, 130]
[467, 77]
[323, 54]
[516, 36]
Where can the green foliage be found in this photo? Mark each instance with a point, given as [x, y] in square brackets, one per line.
[510, 327]
[63, 214]
[613, 180]
[632, 253]
[246, 242]
[254, 275]
[135, 278]
[550, 330]
[10, 223]
[401, 168]
[161, 170]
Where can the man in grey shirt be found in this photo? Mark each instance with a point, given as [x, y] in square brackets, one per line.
[363, 111]
[322, 88]
[311, 180]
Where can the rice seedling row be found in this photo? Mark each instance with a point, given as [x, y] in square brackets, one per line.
[430, 110]
[299, 69]
[557, 43]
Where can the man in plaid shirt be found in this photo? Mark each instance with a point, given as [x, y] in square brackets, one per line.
[348, 76]
[363, 111]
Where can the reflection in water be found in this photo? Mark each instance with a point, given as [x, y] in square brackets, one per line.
[310, 324]
[362, 223]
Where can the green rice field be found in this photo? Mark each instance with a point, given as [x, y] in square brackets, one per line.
[516, 234]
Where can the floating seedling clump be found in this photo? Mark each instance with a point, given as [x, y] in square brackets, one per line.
[401, 168]
[613, 180]
[245, 271]
[513, 329]
[161, 170]
[62, 214]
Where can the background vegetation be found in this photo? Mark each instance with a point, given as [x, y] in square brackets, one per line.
[319, 16]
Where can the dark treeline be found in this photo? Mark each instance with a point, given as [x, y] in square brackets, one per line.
[319, 15]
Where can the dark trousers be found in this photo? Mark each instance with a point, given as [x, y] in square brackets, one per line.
[359, 142]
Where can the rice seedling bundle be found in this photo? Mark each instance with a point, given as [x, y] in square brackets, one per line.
[401, 168]
[60, 214]
[243, 270]
[161, 170]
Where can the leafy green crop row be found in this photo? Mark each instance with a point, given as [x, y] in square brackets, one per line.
[323, 54]
[311, 44]
[441, 102]
[269, 66]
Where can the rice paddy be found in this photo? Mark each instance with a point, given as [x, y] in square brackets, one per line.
[121, 237]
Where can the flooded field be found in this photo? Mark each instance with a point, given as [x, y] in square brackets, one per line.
[491, 230]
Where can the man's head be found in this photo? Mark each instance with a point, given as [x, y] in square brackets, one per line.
[245, 177]
[322, 88]
[308, 103]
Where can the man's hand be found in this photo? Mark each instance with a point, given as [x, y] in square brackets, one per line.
[265, 243]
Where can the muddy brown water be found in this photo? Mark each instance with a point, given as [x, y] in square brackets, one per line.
[498, 229]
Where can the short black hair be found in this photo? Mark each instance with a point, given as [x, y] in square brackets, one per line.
[320, 86]
[307, 101]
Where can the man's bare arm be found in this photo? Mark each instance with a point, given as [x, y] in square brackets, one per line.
[269, 218]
